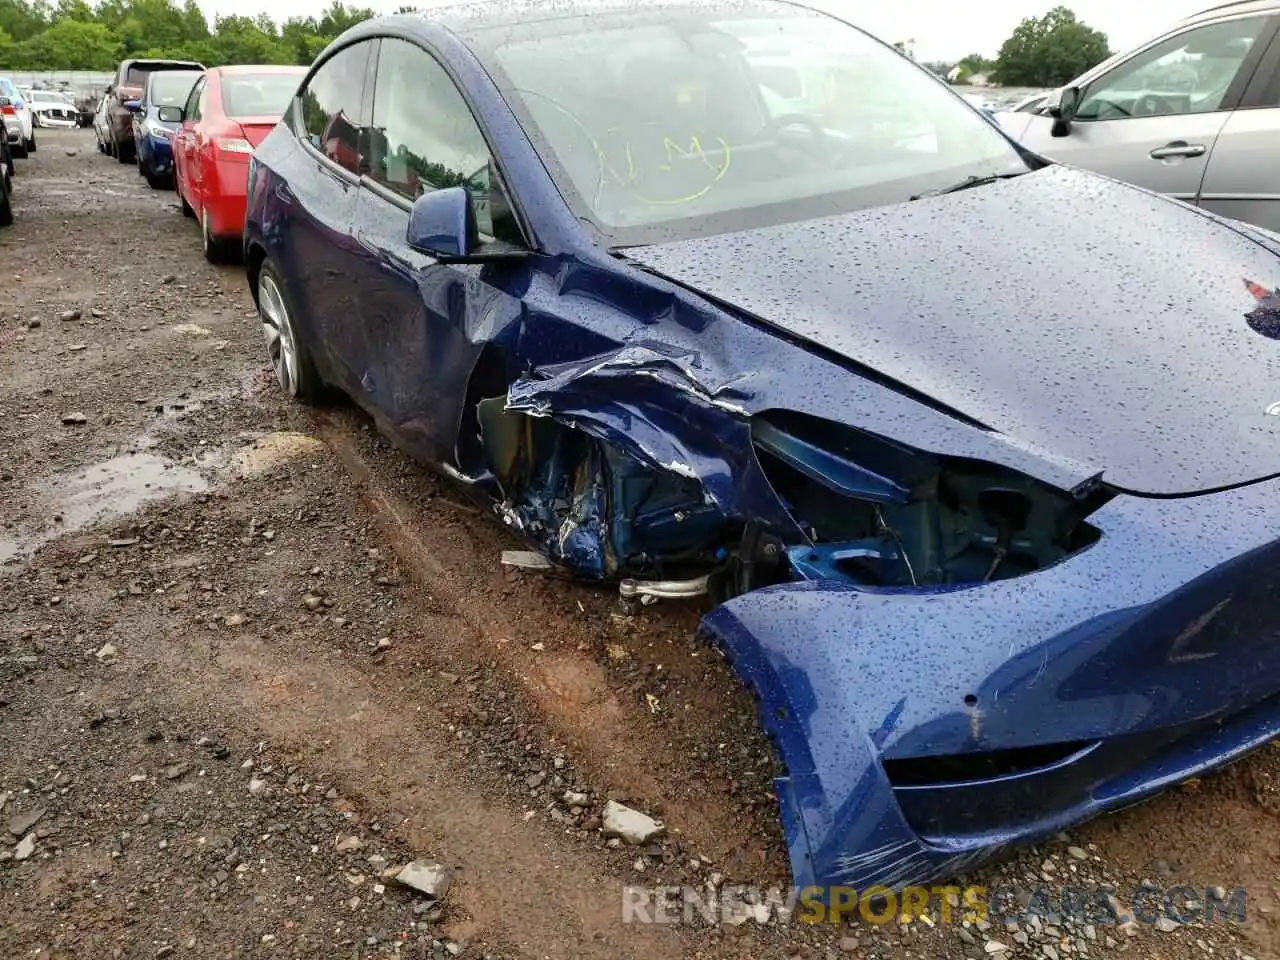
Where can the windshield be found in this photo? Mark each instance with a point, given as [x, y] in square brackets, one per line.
[7, 89]
[694, 120]
[259, 94]
[171, 89]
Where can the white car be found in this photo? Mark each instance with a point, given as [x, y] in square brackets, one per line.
[52, 109]
[26, 142]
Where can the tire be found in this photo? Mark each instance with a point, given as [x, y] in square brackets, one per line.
[187, 210]
[6, 205]
[31, 144]
[215, 250]
[287, 349]
[19, 150]
[156, 181]
[124, 154]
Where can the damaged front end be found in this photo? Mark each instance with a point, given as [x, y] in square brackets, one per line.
[948, 653]
[628, 466]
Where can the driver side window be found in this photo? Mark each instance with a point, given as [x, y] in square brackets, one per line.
[1189, 73]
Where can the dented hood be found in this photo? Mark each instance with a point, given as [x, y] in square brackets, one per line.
[1083, 316]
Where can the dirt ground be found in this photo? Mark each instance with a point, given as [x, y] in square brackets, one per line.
[253, 661]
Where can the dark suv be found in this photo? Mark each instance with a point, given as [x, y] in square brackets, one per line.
[131, 78]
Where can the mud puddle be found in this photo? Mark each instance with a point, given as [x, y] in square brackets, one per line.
[85, 496]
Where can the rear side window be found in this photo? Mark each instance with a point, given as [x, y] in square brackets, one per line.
[258, 94]
[331, 106]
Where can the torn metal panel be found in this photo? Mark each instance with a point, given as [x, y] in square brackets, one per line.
[655, 405]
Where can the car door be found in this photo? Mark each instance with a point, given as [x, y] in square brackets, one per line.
[184, 142]
[423, 324]
[1241, 181]
[329, 117]
[197, 148]
[1153, 118]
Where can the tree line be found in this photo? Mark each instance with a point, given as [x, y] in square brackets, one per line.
[39, 35]
[1048, 51]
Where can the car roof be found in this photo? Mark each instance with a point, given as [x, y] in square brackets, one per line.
[157, 61]
[172, 73]
[468, 16]
[1233, 8]
[257, 68]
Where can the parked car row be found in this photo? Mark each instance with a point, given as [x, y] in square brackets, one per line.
[194, 130]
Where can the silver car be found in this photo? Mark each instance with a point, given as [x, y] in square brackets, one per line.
[1194, 113]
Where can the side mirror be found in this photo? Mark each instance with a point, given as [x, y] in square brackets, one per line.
[132, 105]
[1061, 106]
[169, 114]
[442, 224]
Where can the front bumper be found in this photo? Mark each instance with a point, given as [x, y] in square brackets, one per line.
[45, 120]
[157, 152]
[923, 731]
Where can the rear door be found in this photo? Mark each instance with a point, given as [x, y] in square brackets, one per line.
[1242, 180]
[1153, 118]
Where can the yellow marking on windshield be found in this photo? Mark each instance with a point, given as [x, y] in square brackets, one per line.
[673, 151]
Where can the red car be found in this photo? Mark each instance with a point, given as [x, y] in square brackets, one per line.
[229, 112]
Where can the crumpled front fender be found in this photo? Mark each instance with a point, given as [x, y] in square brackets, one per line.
[648, 401]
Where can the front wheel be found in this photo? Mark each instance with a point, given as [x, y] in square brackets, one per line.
[31, 144]
[156, 181]
[286, 347]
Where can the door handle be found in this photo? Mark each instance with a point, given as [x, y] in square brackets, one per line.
[1179, 148]
[283, 193]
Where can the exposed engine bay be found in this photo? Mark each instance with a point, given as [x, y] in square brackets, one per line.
[863, 509]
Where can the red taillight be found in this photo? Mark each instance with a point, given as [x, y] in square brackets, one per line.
[9, 110]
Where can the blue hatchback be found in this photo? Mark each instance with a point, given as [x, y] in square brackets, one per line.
[976, 454]
[157, 117]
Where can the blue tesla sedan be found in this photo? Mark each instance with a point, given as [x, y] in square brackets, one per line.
[976, 456]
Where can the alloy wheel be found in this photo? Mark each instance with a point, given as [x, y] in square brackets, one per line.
[277, 331]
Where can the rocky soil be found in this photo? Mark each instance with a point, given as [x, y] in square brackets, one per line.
[254, 664]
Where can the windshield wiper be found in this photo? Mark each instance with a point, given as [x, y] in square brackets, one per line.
[967, 183]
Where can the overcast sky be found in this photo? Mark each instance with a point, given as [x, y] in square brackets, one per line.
[942, 29]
